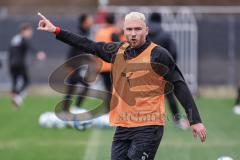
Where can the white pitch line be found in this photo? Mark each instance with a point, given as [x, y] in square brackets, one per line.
[92, 146]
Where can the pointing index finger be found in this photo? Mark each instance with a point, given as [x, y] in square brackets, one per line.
[42, 16]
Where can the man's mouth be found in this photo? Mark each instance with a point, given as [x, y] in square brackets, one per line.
[133, 40]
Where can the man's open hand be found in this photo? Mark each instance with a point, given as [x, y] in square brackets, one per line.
[199, 130]
[45, 25]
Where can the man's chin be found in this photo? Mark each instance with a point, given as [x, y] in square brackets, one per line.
[133, 45]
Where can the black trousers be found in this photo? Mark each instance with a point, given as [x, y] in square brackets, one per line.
[73, 80]
[108, 83]
[140, 143]
[17, 73]
[238, 97]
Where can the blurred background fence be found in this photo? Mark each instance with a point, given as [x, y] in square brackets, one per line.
[207, 38]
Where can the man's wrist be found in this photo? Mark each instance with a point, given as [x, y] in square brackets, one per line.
[195, 122]
[57, 30]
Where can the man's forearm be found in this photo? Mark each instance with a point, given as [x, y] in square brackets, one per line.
[82, 43]
[185, 97]
[105, 51]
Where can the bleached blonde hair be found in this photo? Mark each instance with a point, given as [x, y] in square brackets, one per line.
[135, 16]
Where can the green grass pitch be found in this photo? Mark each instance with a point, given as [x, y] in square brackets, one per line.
[21, 138]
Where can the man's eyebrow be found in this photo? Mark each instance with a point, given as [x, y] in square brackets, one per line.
[134, 27]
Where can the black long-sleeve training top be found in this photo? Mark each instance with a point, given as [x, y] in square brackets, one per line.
[18, 50]
[159, 55]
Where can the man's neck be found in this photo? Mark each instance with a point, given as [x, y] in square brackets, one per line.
[133, 52]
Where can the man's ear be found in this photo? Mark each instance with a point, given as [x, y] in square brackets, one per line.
[147, 29]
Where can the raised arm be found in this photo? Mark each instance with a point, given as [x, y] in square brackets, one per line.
[106, 51]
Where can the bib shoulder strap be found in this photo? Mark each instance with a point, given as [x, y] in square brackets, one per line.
[123, 48]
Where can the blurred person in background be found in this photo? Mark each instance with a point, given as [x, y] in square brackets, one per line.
[159, 36]
[19, 47]
[108, 33]
[236, 108]
[76, 76]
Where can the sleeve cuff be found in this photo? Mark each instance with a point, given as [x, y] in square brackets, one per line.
[57, 30]
[195, 122]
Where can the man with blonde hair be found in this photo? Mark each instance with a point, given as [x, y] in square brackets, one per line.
[142, 72]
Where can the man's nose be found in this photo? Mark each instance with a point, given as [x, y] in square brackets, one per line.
[133, 33]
